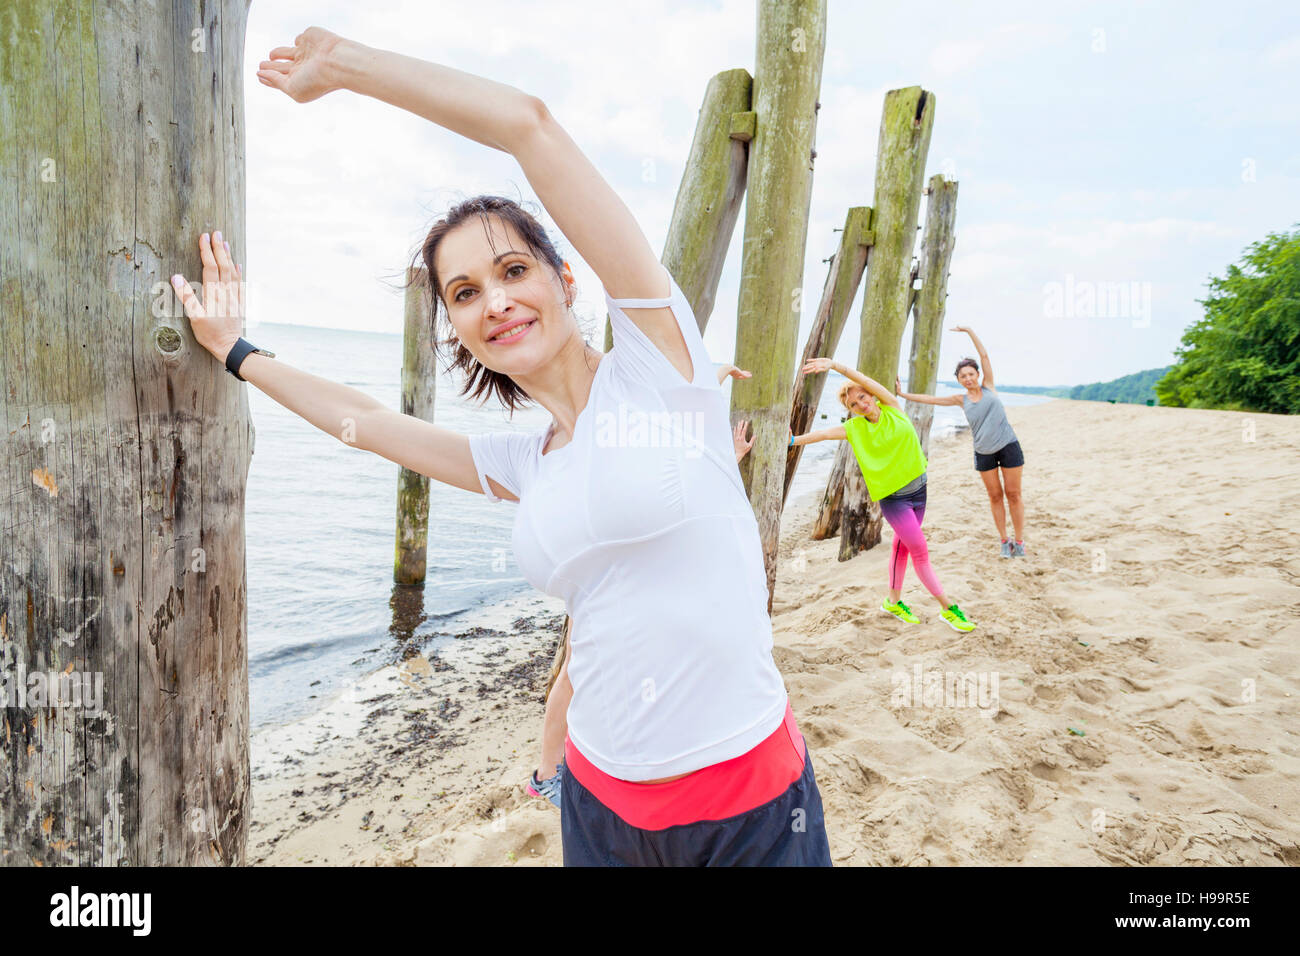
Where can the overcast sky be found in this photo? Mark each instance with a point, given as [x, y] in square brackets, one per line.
[1139, 145]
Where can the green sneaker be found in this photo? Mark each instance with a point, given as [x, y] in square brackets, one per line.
[957, 620]
[901, 611]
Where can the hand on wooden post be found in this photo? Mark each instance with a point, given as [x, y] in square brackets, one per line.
[218, 321]
[738, 439]
[818, 365]
[304, 71]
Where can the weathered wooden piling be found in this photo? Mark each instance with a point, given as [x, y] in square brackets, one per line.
[842, 278]
[937, 242]
[787, 76]
[419, 387]
[904, 143]
[125, 445]
[709, 194]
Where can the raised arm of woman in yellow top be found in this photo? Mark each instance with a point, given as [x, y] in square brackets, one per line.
[817, 365]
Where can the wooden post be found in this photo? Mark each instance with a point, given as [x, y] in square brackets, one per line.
[842, 280]
[125, 445]
[905, 125]
[790, 46]
[827, 523]
[928, 306]
[709, 195]
[419, 387]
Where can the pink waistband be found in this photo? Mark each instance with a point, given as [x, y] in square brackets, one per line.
[715, 792]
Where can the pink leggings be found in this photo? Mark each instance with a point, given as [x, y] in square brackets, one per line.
[905, 515]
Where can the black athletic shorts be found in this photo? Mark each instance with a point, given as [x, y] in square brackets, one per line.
[788, 830]
[1008, 456]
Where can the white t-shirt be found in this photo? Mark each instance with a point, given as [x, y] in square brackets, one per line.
[641, 524]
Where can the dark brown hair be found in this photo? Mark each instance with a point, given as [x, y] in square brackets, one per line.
[480, 381]
[962, 364]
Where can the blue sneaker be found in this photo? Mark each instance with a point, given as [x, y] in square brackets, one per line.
[1006, 550]
[1018, 550]
[549, 788]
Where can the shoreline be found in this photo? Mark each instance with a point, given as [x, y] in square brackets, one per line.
[1166, 764]
[332, 787]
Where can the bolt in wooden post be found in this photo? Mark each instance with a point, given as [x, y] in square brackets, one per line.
[937, 243]
[709, 195]
[904, 143]
[125, 445]
[842, 280]
[419, 387]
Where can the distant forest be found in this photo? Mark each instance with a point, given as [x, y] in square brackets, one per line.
[1243, 354]
[1135, 389]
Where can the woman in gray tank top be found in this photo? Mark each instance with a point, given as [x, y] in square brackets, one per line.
[998, 456]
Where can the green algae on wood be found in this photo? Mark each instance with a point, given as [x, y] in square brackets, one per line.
[791, 42]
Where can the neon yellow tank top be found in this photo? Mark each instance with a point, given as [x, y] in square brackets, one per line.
[888, 452]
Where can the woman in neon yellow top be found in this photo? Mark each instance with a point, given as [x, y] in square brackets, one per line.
[893, 466]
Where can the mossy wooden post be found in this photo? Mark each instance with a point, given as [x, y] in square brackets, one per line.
[937, 242]
[905, 125]
[791, 43]
[419, 381]
[842, 280]
[709, 194]
[125, 445]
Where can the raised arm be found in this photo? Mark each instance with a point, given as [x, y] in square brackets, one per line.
[979, 348]
[589, 213]
[818, 365]
[346, 413]
[924, 399]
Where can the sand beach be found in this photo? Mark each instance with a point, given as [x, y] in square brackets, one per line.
[1134, 682]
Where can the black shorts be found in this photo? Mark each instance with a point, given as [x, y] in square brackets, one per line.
[1008, 456]
[788, 830]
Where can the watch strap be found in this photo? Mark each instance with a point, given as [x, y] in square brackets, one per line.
[240, 351]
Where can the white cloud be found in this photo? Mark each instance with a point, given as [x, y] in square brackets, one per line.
[1283, 53]
[341, 190]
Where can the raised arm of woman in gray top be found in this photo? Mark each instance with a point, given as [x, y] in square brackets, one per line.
[984, 356]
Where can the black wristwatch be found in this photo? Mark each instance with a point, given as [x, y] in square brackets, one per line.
[239, 352]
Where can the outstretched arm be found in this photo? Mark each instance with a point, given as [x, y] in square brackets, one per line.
[834, 433]
[925, 399]
[725, 370]
[588, 212]
[348, 414]
[817, 365]
[979, 348]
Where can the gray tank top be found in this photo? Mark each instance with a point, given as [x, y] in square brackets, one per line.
[911, 488]
[988, 421]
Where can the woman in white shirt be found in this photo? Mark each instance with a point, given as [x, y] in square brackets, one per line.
[682, 749]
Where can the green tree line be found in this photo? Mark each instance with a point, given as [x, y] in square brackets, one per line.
[1244, 353]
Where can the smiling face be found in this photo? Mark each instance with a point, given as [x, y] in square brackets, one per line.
[508, 307]
[968, 377]
[861, 402]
